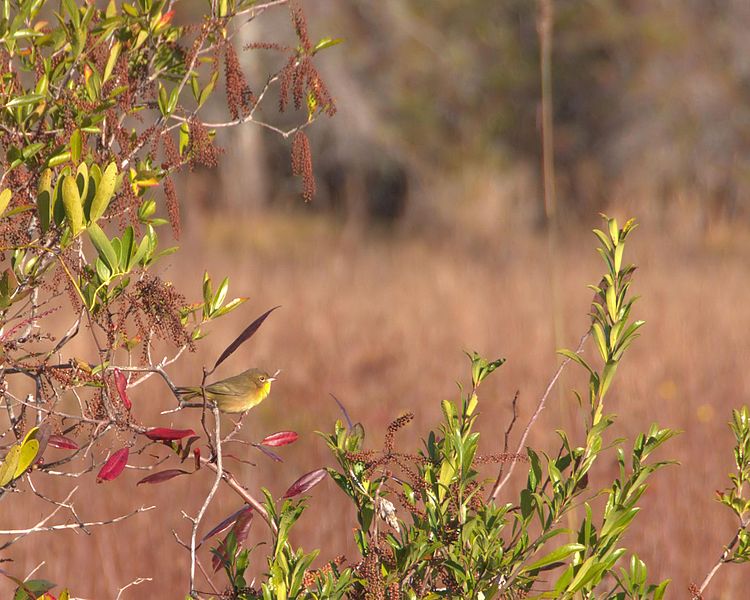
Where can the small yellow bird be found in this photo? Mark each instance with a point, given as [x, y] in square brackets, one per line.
[235, 394]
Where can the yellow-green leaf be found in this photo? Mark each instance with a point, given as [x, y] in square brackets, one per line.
[618, 257]
[114, 53]
[599, 338]
[76, 145]
[5, 197]
[611, 303]
[82, 180]
[72, 204]
[104, 191]
[30, 435]
[8, 467]
[29, 450]
[608, 374]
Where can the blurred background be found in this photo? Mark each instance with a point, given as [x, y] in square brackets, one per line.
[428, 237]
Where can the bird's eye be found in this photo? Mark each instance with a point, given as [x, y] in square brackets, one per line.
[262, 378]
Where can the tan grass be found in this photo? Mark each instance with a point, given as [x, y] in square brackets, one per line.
[381, 323]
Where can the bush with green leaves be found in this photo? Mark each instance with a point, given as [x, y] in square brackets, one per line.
[102, 105]
[430, 524]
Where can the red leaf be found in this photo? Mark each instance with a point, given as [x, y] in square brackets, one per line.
[244, 336]
[114, 466]
[241, 528]
[197, 455]
[60, 441]
[225, 523]
[122, 385]
[163, 476]
[280, 438]
[219, 556]
[242, 525]
[165, 434]
[304, 483]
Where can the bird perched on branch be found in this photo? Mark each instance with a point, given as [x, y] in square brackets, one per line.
[235, 394]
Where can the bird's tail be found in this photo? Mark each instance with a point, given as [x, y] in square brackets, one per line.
[188, 393]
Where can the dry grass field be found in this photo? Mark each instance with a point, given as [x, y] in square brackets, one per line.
[381, 320]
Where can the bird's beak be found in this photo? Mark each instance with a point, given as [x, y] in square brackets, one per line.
[273, 377]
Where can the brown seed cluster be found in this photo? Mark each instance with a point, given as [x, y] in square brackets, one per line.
[202, 149]
[155, 307]
[173, 206]
[393, 427]
[302, 164]
[240, 98]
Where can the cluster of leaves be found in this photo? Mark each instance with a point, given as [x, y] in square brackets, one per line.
[737, 497]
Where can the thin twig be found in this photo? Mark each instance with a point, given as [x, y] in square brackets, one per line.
[723, 559]
[37, 528]
[136, 581]
[217, 480]
[501, 481]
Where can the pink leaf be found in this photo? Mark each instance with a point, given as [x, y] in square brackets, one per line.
[122, 385]
[163, 476]
[165, 434]
[60, 441]
[304, 483]
[114, 466]
[280, 438]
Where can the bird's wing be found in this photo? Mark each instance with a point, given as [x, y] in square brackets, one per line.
[228, 387]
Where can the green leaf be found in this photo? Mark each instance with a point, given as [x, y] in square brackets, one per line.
[326, 42]
[24, 100]
[575, 357]
[103, 246]
[33, 588]
[72, 204]
[556, 555]
[126, 249]
[44, 206]
[140, 253]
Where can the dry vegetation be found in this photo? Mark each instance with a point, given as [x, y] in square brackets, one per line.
[381, 323]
